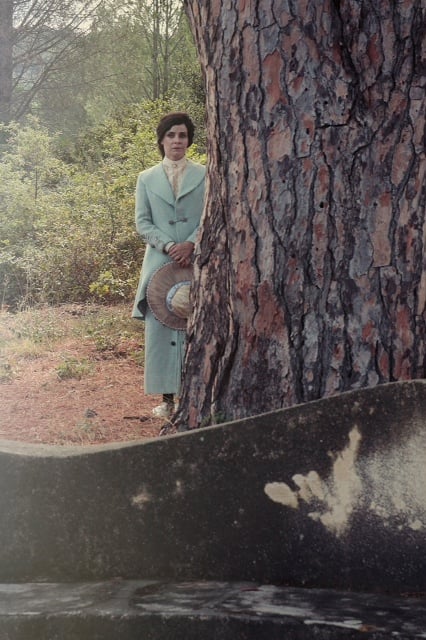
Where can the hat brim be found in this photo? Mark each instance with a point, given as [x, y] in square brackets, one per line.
[159, 285]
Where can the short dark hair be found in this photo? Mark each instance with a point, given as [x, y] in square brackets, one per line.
[170, 120]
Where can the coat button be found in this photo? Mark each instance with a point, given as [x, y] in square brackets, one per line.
[173, 343]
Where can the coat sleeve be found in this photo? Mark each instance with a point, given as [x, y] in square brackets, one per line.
[144, 220]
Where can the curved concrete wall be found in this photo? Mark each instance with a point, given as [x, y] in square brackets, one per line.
[327, 494]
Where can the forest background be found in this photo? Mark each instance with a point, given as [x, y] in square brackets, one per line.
[80, 97]
[336, 211]
[89, 82]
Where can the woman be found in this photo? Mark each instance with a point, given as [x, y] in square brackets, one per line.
[169, 204]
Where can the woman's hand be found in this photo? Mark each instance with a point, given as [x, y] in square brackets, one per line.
[181, 253]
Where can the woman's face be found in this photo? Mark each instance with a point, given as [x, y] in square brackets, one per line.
[175, 142]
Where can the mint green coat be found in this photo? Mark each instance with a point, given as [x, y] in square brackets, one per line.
[162, 218]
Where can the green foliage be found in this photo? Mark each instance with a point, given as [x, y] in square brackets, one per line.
[73, 368]
[133, 52]
[38, 326]
[67, 199]
[67, 215]
[29, 178]
[112, 330]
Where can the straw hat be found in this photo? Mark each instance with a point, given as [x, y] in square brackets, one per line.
[168, 295]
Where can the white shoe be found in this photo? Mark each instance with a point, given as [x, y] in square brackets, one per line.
[163, 410]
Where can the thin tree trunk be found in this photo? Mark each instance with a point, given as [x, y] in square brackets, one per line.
[156, 52]
[310, 277]
[6, 61]
[35, 37]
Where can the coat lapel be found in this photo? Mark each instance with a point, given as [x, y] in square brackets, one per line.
[193, 175]
[160, 185]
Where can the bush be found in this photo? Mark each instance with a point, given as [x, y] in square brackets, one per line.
[67, 219]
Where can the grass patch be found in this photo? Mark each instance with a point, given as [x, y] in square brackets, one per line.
[30, 334]
[109, 328]
[36, 326]
[73, 368]
[86, 431]
[6, 371]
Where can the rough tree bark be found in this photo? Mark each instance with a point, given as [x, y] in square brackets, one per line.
[310, 275]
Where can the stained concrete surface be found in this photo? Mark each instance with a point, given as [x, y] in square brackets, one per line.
[303, 523]
[148, 610]
[331, 494]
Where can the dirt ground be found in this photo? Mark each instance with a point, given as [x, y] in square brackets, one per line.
[105, 405]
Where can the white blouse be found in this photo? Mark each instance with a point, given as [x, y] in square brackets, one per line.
[174, 171]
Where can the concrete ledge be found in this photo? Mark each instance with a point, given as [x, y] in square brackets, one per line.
[202, 610]
[331, 494]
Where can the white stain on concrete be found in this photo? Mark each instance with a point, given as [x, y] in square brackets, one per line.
[389, 481]
[334, 497]
[397, 480]
[141, 499]
[179, 488]
[281, 492]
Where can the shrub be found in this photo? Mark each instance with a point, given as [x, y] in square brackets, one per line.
[67, 219]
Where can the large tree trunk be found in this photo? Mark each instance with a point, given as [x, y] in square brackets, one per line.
[310, 278]
[6, 46]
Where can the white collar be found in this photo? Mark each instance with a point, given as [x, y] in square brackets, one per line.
[175, 164]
